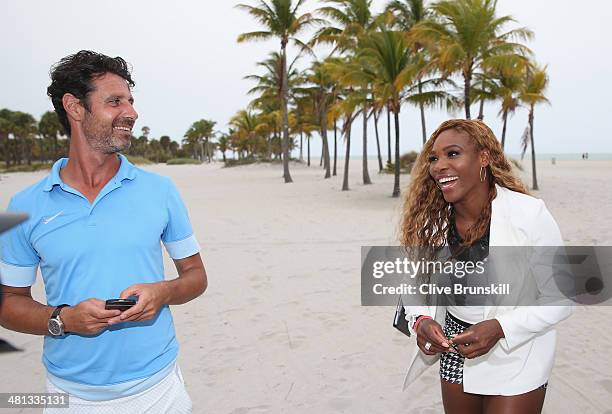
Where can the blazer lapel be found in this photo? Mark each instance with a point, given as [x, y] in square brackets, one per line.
[501, 232]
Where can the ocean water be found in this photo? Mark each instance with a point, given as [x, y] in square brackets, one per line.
[566, 156]
[539, 157]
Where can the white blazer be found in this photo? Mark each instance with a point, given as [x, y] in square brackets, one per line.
[523, 360]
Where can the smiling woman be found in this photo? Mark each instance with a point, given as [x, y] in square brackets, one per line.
[463, 194]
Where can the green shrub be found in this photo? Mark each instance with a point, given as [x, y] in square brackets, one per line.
[36, 166]
[138, 160]
[242, 161]
[182, 161]
[406, 163]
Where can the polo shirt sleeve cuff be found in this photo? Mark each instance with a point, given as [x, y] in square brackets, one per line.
[17, 276]
[183, 248]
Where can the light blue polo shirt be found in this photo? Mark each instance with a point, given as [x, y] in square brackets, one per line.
[96, 251]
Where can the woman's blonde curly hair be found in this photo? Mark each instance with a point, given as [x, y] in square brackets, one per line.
[425, 213]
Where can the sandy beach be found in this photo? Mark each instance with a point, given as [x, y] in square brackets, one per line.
[280, 328]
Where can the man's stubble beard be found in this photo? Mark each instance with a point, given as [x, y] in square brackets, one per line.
[100, 138]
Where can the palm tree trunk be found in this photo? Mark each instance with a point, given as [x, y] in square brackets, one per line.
[322, 149]
[503, 137]
[364, 162]
[7, 151]
[422, 108]
[345, 181]
[308, 146]
[533, 160]
[284, 95]
[335, 146]
[301, 143]
[325, 142]
[380, 163]
[396, 183]
[481, 110]
[467, 79]
[388, 135]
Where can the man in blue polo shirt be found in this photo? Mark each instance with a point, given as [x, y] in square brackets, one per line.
[96, 227]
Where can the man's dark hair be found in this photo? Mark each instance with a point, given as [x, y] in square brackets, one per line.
[74, 74]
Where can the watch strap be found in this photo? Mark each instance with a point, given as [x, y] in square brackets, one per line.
[57, 311]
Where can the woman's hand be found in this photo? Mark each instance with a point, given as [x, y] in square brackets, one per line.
[430, 331]
[479, 338]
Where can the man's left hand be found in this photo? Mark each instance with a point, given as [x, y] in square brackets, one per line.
[150, 300]
[479, 338]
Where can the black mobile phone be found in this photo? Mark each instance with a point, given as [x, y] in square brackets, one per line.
[121, 304]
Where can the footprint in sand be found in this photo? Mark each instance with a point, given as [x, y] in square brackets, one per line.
[339, 404]
[606, 384]
[252, 410]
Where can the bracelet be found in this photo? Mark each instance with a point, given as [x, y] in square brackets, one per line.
[419, 319]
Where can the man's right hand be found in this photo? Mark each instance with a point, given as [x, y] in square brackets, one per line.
[430, 331]
[88, 317]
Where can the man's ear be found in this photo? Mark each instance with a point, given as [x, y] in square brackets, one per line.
[73, 107]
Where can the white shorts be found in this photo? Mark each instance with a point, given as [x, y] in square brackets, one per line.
[167, 396]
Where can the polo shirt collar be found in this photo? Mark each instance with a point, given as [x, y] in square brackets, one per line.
[127, 171]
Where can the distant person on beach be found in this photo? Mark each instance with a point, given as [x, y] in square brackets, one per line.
[96, 223]
[498, 361]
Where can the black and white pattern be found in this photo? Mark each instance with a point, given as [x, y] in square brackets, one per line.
[451, 363]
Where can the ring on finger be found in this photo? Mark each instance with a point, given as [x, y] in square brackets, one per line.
[427, 346]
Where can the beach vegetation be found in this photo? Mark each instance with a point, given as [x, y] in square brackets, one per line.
[183, 161]
[532, 94]
[347, 63]
[280, 19]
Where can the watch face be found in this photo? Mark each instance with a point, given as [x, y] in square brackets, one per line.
[55, 327]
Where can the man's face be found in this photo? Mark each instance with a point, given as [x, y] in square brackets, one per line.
[108, 124]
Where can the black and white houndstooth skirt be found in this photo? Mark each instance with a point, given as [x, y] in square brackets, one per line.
[451, 363]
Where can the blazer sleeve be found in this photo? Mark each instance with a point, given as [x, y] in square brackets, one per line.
[413, 312]
[523, 323]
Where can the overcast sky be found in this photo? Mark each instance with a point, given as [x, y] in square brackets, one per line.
[187, 64]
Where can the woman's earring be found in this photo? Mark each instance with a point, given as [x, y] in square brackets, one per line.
[483, 174]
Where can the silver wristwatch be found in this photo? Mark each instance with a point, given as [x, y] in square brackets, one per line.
[55, 324]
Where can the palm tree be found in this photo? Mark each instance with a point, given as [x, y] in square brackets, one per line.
[224, 145]
[532, 93]
[344, 108]
[145, 131]
[269, 86]
[509, 80]
[347, 20]
[51, 128]
[405, 15]
[200, 134]
[322, 88]
[280, 20]
[467, 35]
[385, 63]
[249, 128]
[350, 20]
[24, 130]
[6, 128]
[376, 112]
